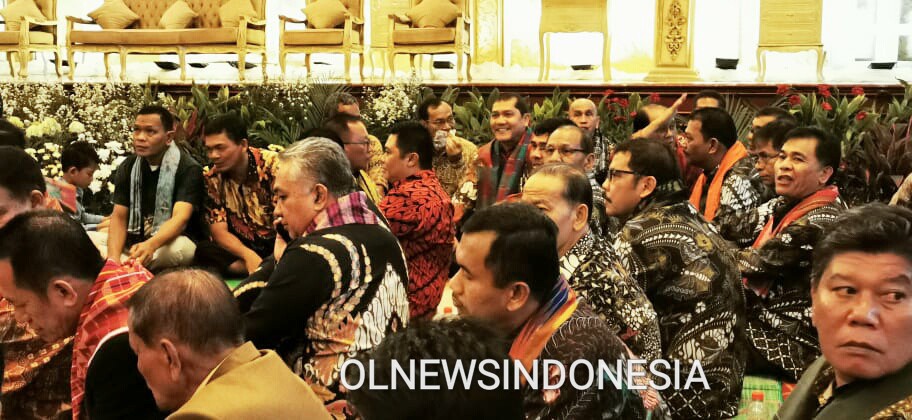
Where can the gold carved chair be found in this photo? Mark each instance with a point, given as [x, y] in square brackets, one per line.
[42, 37]
[567, 16]
[404, 38]
[346, 39]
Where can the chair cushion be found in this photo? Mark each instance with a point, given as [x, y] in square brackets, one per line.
[433, 14]
[35, 37]
[230, 13]
[424, 36]
[178, 16]
[114, 14]
[17, 10]
[314, 37]
[325, 14]
[166, 37]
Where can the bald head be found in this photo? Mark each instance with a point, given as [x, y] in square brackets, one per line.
[190, 307]
[584, 114]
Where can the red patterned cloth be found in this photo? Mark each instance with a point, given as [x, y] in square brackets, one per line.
[103, 316]
[421, 217]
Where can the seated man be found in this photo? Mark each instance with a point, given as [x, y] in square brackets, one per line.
[419, 214]
[453, 340]
[570, 144]
[158, 197]
[540, 134]
[55, 277]
[453, 156]
[687, 272]
[509, 278]
[776, 267]
[729, 183]
[766, 144]
[338, 286]
[36, 373]
[215, 374]
[345, 103]
[584, 113]
[79, 161]
[352, 133]
[656, 121]
[765, 116]
[239, 200]
[862, 280]
[589, 262]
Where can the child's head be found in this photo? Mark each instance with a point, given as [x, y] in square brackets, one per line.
[79, 162]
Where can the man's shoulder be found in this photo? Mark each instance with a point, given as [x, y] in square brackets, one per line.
[585, 335]
[187, 161]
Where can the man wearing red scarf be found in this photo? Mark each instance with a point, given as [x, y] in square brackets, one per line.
[777, 267]
[58, 282]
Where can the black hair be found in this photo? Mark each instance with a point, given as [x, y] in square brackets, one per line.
[339, 124]
[181, 304]
[521, 104]
[828, 150]
[78, 154]
[778, 113]
[577, 189]
[710, 94]
[874, 228]
[423, 108]
[167, 119]
[525, 248]
[336, 99]
[44, 244]
[10, 135]
[640, 120]
[230, 124]
[774, 132]
[453, 340]
[549, 125]
[651, 157]
[412, 137]
[20, 173]
[716, 123]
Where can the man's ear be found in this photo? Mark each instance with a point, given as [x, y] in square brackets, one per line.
[646, 185]
[413, 160]
[36, 199]
[61, 291]
[244, 143]
[519, 295]
[321, 198]
[825, 174]
[527, 119]
[172, 357]
[580, 217]
[589, 162]
[72, 171]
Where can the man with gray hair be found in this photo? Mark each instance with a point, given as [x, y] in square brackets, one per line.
[213, 374]
[338, 282]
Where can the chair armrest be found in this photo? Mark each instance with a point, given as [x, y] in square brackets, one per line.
[289, 19]
[33, 21]
[400, 18]
[252, 22]
[356, 20]
[75, 19]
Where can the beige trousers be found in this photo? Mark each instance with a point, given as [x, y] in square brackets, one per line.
[176, 253]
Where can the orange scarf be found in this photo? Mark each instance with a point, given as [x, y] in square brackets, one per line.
[714, 195]
[556, 309]
[819, 199]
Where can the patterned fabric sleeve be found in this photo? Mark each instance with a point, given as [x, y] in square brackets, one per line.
[375, 167]
[783, 255]
[741, 189]
[402, 213]
[215, 208]
[636, 321]
[742, 228]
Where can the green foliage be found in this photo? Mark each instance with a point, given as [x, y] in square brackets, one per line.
[473, 117]
[742, 112]
[616, 115]
[553, 107]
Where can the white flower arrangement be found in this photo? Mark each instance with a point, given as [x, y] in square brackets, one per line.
[392, 103]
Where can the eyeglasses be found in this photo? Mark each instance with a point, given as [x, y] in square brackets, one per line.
[450, 121]
[763, 157]
[565, 151]
[613, 173]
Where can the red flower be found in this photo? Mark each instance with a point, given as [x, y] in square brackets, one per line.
[826, 106]
[655, 97]
[824, 90]
[608, 92]
[782, 89]
[633, 114]
[858, 91]
[623, 103]
[860, 115]
[619, 118]
[794, 100]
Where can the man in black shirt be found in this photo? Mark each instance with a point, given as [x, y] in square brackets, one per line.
[158, 197]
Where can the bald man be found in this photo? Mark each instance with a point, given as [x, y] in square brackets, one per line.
[584, 114]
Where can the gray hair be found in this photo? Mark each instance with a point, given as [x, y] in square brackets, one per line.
[321, 160]
[190, 306]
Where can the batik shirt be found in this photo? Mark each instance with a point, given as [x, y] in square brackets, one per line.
[246, 208]
[741, 191]
[779, 324]
[692, 280]
[903, 196]
[421, 216]
[598, 220]
[593, 270]
[451, 173]
[375, 165]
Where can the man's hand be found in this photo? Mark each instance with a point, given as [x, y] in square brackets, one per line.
[142, 252]
[280, 244]
[453, 148]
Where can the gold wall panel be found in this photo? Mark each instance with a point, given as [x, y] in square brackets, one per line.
[488, 24]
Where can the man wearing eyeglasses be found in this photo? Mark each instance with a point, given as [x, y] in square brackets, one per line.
[572, 145]
[452, 154]
[352, 133]
[687, 272]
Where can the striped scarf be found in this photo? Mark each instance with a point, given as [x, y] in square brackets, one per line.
[509, 181]
[556, 308]
[103, 316]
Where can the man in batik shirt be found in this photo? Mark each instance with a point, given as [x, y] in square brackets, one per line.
[729, 183]
[588, 261]
[777, 266]
[420, 215]
[452, 156]
[687, 272]
[239, 200]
